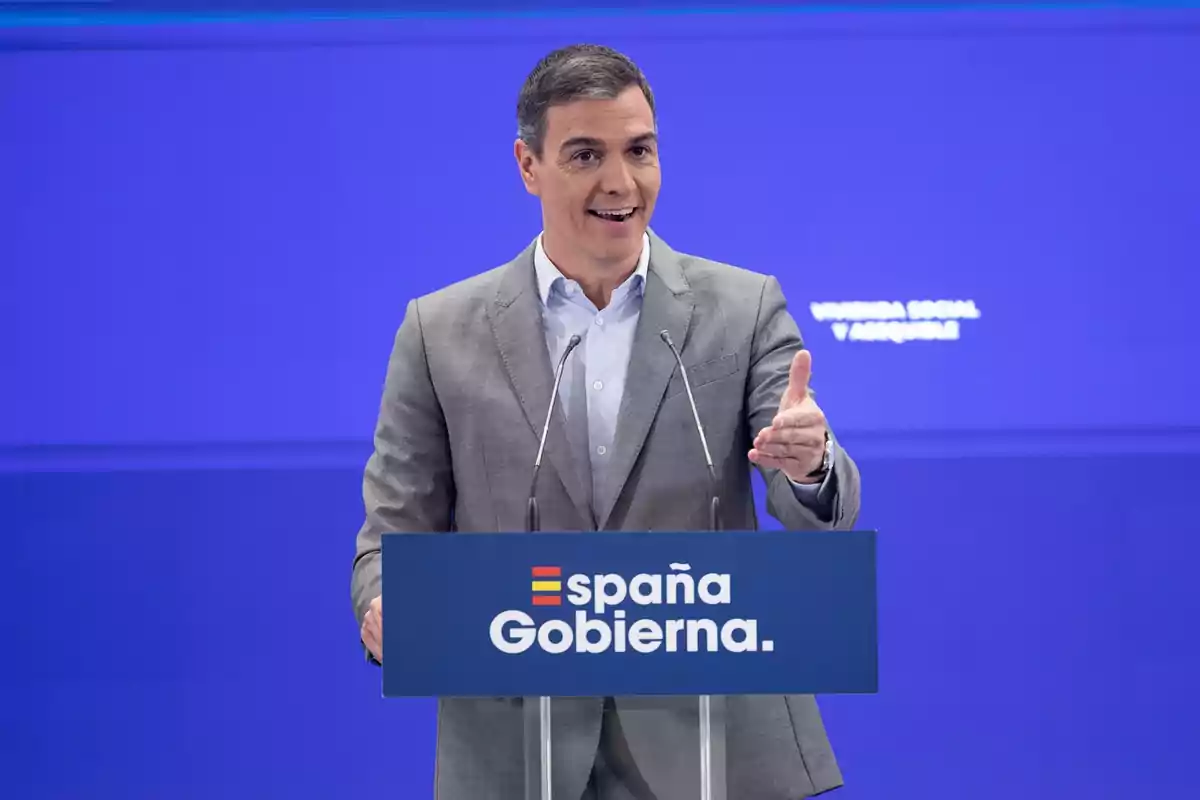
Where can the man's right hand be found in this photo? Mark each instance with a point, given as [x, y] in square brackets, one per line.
[372, 628]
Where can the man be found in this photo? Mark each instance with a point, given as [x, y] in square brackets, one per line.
[467, 391]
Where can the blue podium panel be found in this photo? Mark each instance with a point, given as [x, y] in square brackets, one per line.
[599, 614]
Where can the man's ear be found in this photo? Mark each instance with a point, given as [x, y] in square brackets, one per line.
[526, 161]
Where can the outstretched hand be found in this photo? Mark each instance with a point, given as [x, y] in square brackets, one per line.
[795, 440]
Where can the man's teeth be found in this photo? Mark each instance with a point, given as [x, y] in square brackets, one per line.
[618, 214]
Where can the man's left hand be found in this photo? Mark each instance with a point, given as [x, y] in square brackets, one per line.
[795, 441]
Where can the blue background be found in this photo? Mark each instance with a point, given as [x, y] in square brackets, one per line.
[208, 233]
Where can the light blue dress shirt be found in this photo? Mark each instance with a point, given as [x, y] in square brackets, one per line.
[594, 378]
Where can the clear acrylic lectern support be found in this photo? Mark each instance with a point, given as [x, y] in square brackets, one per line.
[702, 717]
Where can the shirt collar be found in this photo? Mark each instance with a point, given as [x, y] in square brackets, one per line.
[548, 274]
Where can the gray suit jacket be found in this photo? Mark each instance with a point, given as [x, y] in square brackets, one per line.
[467, 389]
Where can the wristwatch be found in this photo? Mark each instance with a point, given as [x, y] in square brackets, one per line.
[826, 459]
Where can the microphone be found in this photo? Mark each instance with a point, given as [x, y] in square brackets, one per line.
[714, 508]
[533, 521]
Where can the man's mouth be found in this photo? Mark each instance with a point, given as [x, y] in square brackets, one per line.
[612, 214]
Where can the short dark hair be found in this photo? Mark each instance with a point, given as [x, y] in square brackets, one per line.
[580, 71]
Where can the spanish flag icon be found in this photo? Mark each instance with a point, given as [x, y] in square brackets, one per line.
[547, 586]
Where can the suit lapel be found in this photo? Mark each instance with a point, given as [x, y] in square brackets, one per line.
[667, 304]
[516, 318]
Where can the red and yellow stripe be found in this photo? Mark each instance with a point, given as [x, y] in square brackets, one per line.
[547, 586]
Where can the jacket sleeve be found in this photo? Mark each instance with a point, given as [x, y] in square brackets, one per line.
[835, 503]
[408, 483]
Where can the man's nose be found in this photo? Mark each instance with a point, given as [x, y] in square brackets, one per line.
[616, 177]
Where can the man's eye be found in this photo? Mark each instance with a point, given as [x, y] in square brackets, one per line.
[586, 156]
[640, 151]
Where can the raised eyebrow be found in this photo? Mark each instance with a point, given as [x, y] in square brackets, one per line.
[581, 141]
[589, 141]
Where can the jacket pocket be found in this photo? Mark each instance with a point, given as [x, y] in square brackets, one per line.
[704, 373]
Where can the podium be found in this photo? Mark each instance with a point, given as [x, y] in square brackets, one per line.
[666, 625]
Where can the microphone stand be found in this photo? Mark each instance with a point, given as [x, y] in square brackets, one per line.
[533, 518]
[714, 503]
[533, 524]
[714, 524]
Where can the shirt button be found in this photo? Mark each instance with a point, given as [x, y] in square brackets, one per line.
[600, 320]
[601, 450]
[598, 385]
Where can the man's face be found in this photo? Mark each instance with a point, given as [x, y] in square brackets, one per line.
[598, 177]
